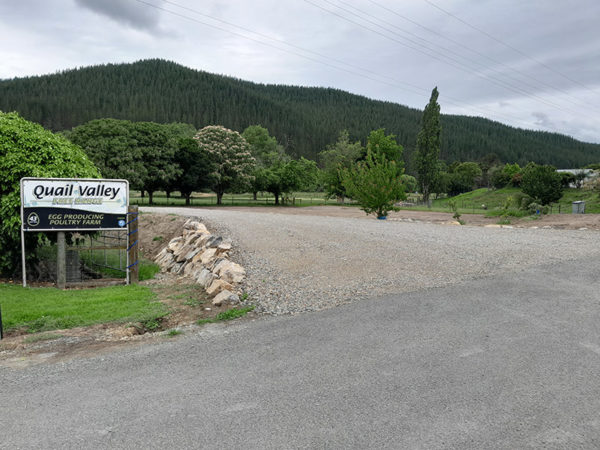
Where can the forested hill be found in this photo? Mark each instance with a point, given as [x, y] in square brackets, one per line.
[303, 119]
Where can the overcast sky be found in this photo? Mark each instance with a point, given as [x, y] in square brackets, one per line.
[532, 64]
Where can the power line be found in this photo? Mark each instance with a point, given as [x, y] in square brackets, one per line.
[485, 33]
[268, 44]
[452, 61]
[281, 41]
[577, 101]
[421, 91]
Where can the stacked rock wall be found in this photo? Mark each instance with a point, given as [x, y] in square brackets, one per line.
[203, 257]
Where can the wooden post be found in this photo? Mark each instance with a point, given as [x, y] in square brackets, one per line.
[132, 247]
[61, 260]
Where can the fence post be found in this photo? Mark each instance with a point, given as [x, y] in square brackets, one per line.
[61, 260]
[132, 244]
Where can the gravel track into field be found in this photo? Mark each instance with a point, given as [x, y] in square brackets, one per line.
[298, 263]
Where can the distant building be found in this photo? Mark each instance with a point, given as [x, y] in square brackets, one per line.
[590, 174]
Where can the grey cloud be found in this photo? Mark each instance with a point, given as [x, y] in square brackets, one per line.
[542, 119]
[134, 14]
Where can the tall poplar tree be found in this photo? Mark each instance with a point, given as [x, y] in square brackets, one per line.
[428, 146]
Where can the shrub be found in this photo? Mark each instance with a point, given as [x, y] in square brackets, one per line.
[28, 150]
[543, 183]
[374, 183]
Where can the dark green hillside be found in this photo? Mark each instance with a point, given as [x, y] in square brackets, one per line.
[305, 120]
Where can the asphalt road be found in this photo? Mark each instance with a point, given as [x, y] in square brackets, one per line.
[511, 361]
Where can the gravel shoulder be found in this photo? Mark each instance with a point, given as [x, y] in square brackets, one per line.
[308, 259]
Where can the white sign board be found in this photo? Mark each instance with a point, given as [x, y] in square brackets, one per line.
[73, 204]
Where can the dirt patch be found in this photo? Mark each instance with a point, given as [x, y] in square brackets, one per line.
[156, 230]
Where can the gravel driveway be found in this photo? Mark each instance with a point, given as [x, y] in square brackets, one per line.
[298, 263]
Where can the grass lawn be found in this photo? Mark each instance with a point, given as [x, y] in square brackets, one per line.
[263, 199]
[43, 309]
[494, 199]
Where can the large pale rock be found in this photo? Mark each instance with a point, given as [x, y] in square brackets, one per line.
[180, 255]
[175, 244]
[176, 268]
[224, 247]
[202, 240]
[193, 252]
[205, 278]
[208, 255]
[198, 258]
[161, 254]
[192, 238]
[230, 272]
[214, 267]
[217, 286]
[194, 225]
[225, 297]
[165, 261]
[191, 270]
[164, 258]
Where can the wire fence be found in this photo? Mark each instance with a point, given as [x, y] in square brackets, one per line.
[89, 256]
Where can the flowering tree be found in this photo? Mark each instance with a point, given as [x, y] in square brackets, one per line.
[230, 154]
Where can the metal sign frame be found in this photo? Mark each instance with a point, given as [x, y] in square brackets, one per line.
[66, 207]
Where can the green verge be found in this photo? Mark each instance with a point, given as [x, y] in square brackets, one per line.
[44, 309]
[227, 315]
[247, 199]
[494, 199]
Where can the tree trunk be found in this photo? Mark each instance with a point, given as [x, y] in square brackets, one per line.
[254, 195]
[220, 198]
[150, 193]
[168, 196]
[187, 199]
[276, 199]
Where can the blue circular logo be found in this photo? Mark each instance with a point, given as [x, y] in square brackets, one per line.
[121, 223]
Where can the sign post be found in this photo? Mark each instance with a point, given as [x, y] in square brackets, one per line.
[71, 204]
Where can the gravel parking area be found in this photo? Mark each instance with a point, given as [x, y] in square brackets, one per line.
[304, 262]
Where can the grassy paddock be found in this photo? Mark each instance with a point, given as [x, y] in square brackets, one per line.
[44, 309]
[263, 199]
[494, 199]
[147, 268]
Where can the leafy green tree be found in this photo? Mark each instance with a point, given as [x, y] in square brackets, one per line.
[112, 146]
[428, 146]
[486, 164]
[336, 157]
[263, 146]
[542, 183]
[158, 144]
[510, 174]
[379, 143]
[285, 177]
[462, 178]
[304, 173]
[375, 184]
[409, 182]
[141, 152]
[266, 151]
[28, 150]
[197, 168]
[228, 151]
